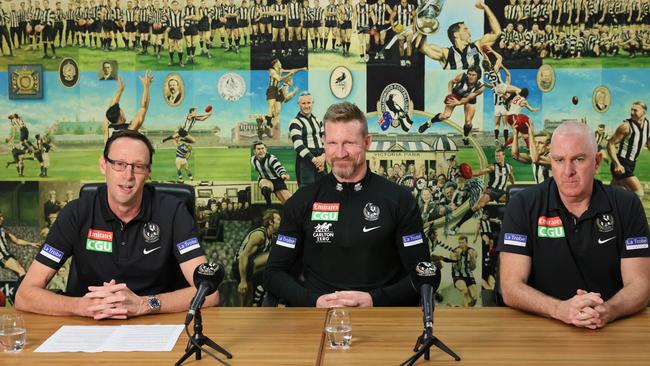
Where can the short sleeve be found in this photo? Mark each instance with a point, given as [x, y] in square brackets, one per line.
[635, 230]
[516, 234]
[61, 238]
[186, 243]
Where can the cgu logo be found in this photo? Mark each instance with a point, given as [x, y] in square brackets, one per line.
[324, 216]
[99, 246]
[550, 232]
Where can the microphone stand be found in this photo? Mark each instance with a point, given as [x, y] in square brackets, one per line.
[197, 340]
[423, 345]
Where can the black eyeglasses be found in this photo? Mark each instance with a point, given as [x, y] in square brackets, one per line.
[120, 166]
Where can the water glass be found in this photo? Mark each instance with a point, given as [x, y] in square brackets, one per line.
[12, 333]
[338, 329]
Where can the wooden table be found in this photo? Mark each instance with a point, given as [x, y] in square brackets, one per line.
[255, 336]
[283, 336]
[491, 336]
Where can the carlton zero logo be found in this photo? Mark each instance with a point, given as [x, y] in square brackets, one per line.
[325, 211]
[550, 227]
[99, 241]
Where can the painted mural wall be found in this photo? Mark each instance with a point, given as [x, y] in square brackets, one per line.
[449, 87]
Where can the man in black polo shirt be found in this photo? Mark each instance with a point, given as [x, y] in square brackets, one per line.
[571, 248]
[356, 234]
[133, 250]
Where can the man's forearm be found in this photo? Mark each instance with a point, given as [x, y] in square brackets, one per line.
[179, 300]
[282, 285]
[629, 300]
[41, 301]
[526, 298]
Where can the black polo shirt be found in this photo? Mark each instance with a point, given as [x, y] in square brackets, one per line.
[145, 253]
[570, 253]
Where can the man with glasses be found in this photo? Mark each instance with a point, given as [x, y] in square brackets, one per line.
[134, 250]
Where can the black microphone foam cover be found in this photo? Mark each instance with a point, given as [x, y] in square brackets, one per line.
[425, 273]
[210, 275]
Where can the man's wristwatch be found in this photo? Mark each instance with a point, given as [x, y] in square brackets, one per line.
[153, 303]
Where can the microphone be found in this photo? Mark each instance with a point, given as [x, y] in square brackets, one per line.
[207, 278]
[425, 280]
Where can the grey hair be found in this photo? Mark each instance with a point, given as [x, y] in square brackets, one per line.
[582, 130]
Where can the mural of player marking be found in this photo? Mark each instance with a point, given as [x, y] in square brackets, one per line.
[493, 80]
[248, 265]
[272, 174]
[7, 260]
[115, 117]
[516, 102]
[500, 173]
[464, 263]
[183, 132]
[465, 88]
[625, 146]
[19, 129]
[274, 95]
[463, 53]
[183, 154]
[538, 157]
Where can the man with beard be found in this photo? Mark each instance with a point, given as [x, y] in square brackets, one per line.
[356, 234]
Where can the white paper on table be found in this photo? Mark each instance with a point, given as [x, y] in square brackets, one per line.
[122, 338]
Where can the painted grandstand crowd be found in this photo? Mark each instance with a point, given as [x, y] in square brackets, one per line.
[575, 28]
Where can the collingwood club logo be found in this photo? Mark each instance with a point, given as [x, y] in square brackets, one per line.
[605, 223]
[231, 87]
[395, 101]
[371, 212]
[341, 82]
[150, 232]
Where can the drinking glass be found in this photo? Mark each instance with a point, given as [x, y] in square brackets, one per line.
[338, 329]
[12, 333]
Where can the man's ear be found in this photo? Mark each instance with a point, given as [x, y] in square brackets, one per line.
[102, 165]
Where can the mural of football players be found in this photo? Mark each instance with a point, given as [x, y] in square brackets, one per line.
[274, 97]
[191, 16]
[250, 260]
[401, 19]
[7, 260]
[361, 17]
[182, 163]
[463, 264]
[538, 157]
[174, 24]
[278, 12]
[500, 173]
[272, 175]
[626, 144]
[344, 17]
[488, 229]
[115, 117]
[463, 52]
[381, 14]
[331, 25]
[294, 28]
[204, 29]
[464, 88]
[183, 132]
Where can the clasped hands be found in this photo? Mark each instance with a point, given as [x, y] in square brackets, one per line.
[112, 300]
[585, 310]
[344, 298]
